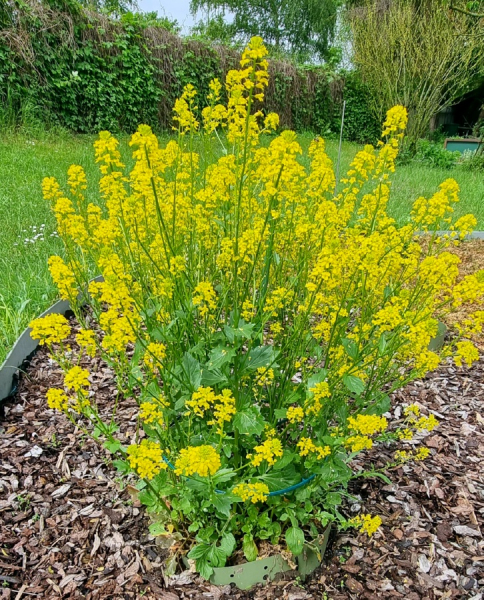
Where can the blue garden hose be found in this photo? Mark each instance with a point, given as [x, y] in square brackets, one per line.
[287, 490]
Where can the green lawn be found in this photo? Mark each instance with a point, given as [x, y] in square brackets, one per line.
[25, 286]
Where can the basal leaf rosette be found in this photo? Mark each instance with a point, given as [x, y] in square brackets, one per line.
[260, 313]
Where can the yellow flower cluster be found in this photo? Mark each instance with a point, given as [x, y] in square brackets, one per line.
[357, 443]
[307, 446]
[198, 460]
[202, 400]
[223, 410]
[269, 451]
[146, 459]
[204, 298]
[295, 414]
[255, 492]
[86, 339]
[248, 310]
[57, 399]
[396, 121]
[413, 419]
[184, 110]
[469, 290]
[404, 456]
[428, 423]
[76, 379]
[64, 278]
[319, 392]
[155, 355]
[412, 410]
[151, 413]
[118, 331]
[405, 434]
[265, 376]
[366, 523]
[107, 152]
[466, 351]
[277, 299]
[367, 424]
[223, 405]
[50, 329]
[76, 180]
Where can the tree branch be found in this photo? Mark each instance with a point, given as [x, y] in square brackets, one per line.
[467, 12]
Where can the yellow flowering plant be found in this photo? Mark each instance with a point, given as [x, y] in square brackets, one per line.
[260, 318]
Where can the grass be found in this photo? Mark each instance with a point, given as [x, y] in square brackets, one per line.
[25, 285]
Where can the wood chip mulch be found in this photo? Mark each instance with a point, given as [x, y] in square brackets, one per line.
[68, 530]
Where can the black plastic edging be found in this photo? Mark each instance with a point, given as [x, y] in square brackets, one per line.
[24, 348]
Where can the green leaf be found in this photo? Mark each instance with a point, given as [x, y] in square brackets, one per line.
[244, 330]
[249, 420]
[204, 568]
[295, 540]
[262, 356]
[351, 348]
[264, 521]
[180, 403]
[199, 551]
[285, 460]
[382, 344]
[224, 475]
[96, 433]
[192, 369]
[227, 544]
[219, 357]
[382, 405]
[157, 529]
[122, 466]
[151, 501]
[333, 498]
[211, 378]
[280, 413]
[334, 471]
[354, 384]
[113, 446]
[222, 504]
[278, 480]
[250, 549]
[216, 556]
[276, 532]
[197, 485]
[317, 378]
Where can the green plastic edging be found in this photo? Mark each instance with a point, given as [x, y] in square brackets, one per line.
[312, 554]
[246, 575]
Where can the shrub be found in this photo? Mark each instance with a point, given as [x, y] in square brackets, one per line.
[260, 321]
[360, 124]
[473, 161]
[435, 155]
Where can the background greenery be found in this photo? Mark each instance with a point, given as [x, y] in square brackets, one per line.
[87, 71]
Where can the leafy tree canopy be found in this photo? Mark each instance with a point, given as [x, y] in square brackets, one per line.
[303, 28]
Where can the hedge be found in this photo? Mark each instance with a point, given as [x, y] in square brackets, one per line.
[88, 72]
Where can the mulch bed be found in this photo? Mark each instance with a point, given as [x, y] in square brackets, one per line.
[69, 530]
